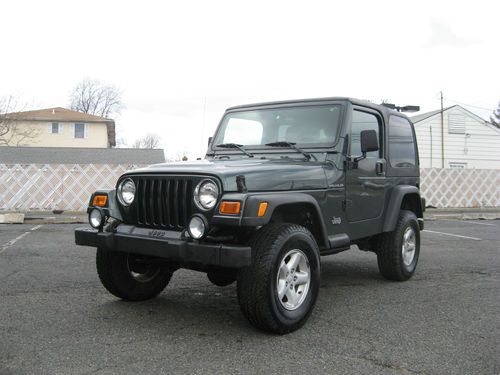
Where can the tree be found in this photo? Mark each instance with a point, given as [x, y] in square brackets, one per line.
[96, 98]
[12, 132]
[495, 117]
[150, 141]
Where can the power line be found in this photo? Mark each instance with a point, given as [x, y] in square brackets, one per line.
[469, 105]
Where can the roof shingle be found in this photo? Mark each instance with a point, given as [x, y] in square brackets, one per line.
[74, 155]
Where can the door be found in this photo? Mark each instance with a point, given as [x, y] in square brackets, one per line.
[365, 183]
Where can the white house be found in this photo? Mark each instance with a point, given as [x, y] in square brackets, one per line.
[468, 140]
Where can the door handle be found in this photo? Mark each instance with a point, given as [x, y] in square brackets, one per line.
[380, 168]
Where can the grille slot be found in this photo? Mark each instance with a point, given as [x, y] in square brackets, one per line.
[163, 202]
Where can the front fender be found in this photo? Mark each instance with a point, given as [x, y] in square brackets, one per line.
[250, 207]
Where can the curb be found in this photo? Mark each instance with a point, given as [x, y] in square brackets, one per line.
[56, 220]
[463, 216]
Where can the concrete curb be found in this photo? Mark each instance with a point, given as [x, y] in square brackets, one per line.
[12, 218]
[56, 220]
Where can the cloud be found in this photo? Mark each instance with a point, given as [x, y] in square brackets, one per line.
[442, 35]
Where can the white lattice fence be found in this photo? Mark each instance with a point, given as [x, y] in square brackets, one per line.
[461, 187]
[68, 186]
[30, 187]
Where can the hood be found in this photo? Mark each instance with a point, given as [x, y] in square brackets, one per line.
[260, 174]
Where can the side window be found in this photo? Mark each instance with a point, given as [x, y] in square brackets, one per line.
[363, 121]
[401, 143]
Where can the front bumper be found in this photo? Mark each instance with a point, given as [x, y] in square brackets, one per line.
[165, 244]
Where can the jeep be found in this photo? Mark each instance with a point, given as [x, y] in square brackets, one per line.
[282, 184]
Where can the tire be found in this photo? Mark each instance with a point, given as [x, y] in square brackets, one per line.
[397, 259]
[274, 248]
[124, 276]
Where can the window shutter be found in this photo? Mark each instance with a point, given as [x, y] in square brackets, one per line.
[456, 123]
[85, 131]
[49, 129]
[60, 128]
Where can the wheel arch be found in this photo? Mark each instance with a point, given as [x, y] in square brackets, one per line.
[403, 197]
[296, 208]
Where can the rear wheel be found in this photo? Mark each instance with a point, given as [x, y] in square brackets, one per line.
[130, 276]
[278, 291]
[398, 251]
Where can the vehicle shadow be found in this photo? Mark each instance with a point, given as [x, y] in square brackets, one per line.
[200, 308]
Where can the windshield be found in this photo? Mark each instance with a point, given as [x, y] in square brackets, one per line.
[310, 126]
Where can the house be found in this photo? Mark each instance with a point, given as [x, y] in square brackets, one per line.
[57, 127]
[468, 140]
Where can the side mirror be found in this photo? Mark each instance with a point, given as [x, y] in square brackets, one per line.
[369, 141]
[209, 141]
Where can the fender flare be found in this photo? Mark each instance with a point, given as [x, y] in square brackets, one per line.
[276, 200]
[392, 211]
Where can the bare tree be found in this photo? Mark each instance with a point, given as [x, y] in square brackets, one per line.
[495, 117]
[96, 98]
[150, 140]
[12, 131]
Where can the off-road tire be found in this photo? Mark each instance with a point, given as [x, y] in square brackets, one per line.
[257, 283]
[389, 249]
[114, 272]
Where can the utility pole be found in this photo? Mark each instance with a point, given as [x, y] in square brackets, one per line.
[203, 126]
[442, 132]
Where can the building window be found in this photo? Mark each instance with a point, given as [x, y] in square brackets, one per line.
[456, 123]
[80, 131]
[455, 165]
[55, 128]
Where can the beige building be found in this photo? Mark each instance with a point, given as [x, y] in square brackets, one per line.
[57, 127]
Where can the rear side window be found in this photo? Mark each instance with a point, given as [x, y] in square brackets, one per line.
[401, 143]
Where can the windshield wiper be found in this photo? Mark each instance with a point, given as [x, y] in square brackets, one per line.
[293, 146]
[235, 145]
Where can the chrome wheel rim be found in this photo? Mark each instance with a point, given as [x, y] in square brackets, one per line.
[293, 279]
[142, 273]
[409, 246]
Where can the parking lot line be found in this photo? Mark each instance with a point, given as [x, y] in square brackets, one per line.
[453, 235]
[22, 235]
[475, 222]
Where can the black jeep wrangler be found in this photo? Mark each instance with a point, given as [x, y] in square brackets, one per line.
[283, 183]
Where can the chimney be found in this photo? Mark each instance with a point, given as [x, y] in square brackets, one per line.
[53, 111]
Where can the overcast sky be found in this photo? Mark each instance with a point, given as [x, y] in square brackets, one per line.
[181, 63]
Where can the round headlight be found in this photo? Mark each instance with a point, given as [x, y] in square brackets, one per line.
[126, 192]
[206, 194]
[95, 218]
[197, 227]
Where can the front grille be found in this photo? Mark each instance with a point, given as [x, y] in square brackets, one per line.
[163, 201]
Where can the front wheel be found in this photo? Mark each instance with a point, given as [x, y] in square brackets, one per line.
[398, 251]
[131, 277]
[278, 291]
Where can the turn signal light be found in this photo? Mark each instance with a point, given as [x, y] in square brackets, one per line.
[231, 208]
[262, 209]
[100, 200]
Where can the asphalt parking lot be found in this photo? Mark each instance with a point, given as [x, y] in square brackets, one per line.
[56, 318]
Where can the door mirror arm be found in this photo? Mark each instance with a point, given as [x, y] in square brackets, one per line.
[352, 161]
